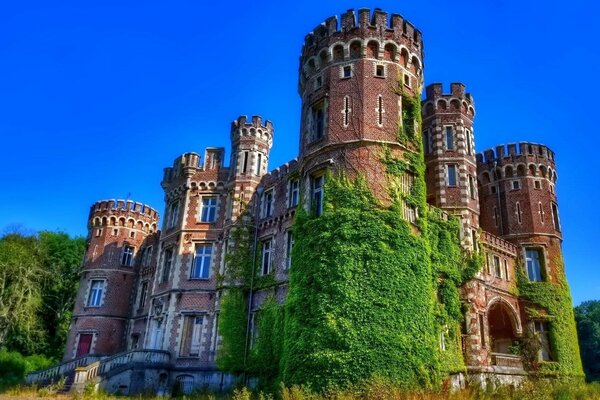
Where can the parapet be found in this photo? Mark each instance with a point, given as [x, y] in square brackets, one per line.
[184, 166]
[435, 91]
[513, 151]
[123, 208]
[369, 24]
[241, 127]
[519, 159]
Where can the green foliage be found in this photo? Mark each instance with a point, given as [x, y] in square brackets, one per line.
[360, 300]
[267, 351]
[14, 367]
[587, 316]
[232, 327]
[555, 298]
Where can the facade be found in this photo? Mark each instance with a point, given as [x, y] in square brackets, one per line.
[147, 289]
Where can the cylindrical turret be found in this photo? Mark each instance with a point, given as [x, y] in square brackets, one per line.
[517, 191]
[118, 230]
[449, 147]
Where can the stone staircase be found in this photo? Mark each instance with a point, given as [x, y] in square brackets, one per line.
[98, 369]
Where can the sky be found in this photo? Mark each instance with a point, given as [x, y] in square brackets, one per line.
[96, 98]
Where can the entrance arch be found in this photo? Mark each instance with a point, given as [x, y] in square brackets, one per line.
[504, 327]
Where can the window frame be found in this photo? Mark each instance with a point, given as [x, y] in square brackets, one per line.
[317, 193]
[289, 245]
[455, 175]
[539, 273]
[202, 271]
[95, 296]
[208, 210]
[167, 264]
[449, 138]
[266, 258]
[173, 214]
[293, 192]
[268, 203]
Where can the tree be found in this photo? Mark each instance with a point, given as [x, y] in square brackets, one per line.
[587, 316]
[20, 291]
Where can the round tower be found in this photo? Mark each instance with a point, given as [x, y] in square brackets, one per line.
[517, 191]
[117, 233]
[356, 73]
[449, 147]
[251, 142]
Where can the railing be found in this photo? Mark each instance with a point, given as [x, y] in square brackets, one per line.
[54, 373]
[499, 243]
[86, 374]
[134, 356]
[507, 360]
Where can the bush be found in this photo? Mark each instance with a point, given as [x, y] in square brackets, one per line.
[14, 367]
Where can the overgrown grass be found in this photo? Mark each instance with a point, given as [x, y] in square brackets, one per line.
[532, 390]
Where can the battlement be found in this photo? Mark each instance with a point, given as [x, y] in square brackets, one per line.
[123, 208]
[368, 24]
[435, 91]
[513, 152]
[254, 128]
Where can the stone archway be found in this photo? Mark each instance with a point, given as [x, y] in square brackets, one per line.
[502, 329]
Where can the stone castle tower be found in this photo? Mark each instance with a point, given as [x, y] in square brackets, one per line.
[157, 295]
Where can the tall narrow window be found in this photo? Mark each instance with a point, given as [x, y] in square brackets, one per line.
[346, 111]
[267, 251]
[317, 195]
[268, 203]
[318, 120]
[541, 211]
[518, 212]
[245, 168]
[534, 265]
[495, 216]
[380, 110]
[555, 217]
[258, 164]
[167, 260]
[202, 259]
[95, 295]
[294, 193]
[540, 329]
[143, 294]
[506, 275]
[173, 214]
[288, 249]
[127, 256]
[497, 269]
[191, 336]
[208, 212]
[449, 138]
[469, 142]
[452, 175]
[426, 144]
[147, 256]
[471, 187]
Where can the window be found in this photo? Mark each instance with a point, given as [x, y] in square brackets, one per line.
[493, 189]
[541, 211]
[537, 184]
[469, 142]
[201, 263]
[518, 212]
[288, 249]
[516, 185]
[495, 216]
[426, 144]
[132, 235]
[143, 294]
[173, 214]
[540, 329]
[452, 179]
[294, 193]
[267, 251]
[506, 274]
[167, 260]
[258, 164]
[245, 169]
[98, 232]
[380, 110]
[146, 256]
[346, 71]
[449, 138]
[268, 203]
[555, 217]
[471, 187]
[318, 120]
[380, 71]
[346, 111]
[316, 204]
[95, 295]
[497, 270]
[191, 335]
[127, 256]
[534, 264]
[208, 212]
[115, 232]
[407, 80]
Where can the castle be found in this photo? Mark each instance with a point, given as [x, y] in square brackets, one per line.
[147, 312]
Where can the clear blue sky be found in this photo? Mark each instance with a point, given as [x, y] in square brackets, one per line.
[97, 97]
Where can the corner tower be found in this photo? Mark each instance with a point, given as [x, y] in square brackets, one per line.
[449, 147]
[117, 231]
[355, 73]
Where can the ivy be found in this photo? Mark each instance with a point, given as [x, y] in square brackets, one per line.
[232, 328]
[555, 299]
[267, 352]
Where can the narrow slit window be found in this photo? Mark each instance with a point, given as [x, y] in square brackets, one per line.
[518, 211]
[245, 168]
[541, 211]
[380, 110]
[258, 164]
[555, 218]
[346, 111]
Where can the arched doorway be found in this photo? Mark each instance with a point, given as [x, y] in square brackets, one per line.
[502, 330]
